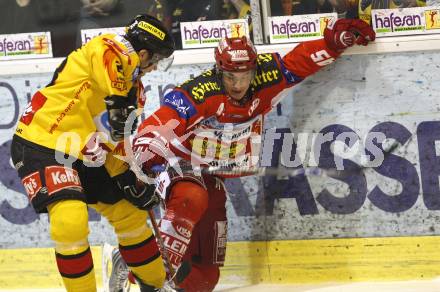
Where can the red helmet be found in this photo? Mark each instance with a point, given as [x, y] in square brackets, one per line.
[236, 54]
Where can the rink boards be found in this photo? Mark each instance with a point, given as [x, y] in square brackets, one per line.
[276, 262]
[284, 230]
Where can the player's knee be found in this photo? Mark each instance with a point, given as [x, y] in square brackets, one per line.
[188, 198]
[126, 218]
[211, 274]
[68, 221]
[201, 278]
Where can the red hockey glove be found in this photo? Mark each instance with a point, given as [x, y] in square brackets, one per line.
[344, 33]
[149, 151]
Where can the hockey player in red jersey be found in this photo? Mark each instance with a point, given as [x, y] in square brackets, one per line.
[219, 118]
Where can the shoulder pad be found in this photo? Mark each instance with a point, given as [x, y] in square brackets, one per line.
[203, 86]
[268, 72]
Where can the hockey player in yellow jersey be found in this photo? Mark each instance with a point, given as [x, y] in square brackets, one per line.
[65, 151]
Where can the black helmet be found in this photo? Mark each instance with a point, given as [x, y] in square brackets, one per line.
[147, 32]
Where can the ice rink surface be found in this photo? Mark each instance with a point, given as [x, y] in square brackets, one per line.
[408, 286]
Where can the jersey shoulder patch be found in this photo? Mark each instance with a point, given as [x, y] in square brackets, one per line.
[268, 72]
[180, 103]
[203, 86]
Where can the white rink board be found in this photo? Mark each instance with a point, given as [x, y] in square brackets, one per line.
[358, 92]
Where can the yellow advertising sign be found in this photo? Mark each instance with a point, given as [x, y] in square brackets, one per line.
[237, 29]
[41, 44]
[432, 19]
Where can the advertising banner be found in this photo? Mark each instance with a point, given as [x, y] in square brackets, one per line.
[25, 46]
[88, 34]
[335, 111]
[207, 34]
[406, 21]
[298, 28]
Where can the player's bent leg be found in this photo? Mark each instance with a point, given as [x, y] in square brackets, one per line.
[69, 230]
[207, 250]
[202, 278]
[186, 204]
[137, 244]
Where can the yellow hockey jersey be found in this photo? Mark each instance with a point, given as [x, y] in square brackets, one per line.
[69, 114]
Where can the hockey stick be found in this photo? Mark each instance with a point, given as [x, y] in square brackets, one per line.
[164, 252]
[140, 175]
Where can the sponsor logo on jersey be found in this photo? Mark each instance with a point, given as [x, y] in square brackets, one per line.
[60, 177]
[61, 116]
[113, 45]
[266, 77]
[119, 85]
[178, 101]
[152, 29]
[32, 184]
[83, 88]
[253, 106]
[114, 70]
[199, 91]
[267, 73]
[183, 231]
[264, 58]
[36, 104]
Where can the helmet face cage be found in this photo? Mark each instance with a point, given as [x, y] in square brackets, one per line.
[147, 32]
[236, 55]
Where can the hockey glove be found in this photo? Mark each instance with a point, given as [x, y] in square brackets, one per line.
[344, 33]
[119, 108]
[149, 151]
[138, 193]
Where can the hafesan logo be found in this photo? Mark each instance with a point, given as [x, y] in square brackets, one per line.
[41, 44]
[237, 30]
[324, 22]
[432, 19]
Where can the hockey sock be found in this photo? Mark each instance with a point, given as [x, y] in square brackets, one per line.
[69, 230]
[136, 241]
[77, 271]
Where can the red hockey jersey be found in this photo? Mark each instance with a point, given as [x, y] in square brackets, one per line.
[197, 121]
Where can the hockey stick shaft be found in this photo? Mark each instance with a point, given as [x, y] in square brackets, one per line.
[164, 252]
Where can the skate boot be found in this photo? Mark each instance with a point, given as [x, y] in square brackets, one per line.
[114, 270]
